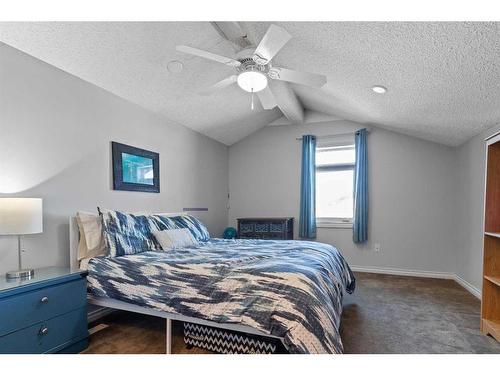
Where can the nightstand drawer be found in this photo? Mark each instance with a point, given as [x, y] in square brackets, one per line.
[47, 336]
[28, 308]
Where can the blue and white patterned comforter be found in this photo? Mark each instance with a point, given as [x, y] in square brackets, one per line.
[289, 289]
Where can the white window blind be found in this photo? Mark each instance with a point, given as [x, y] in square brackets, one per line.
[335, 161]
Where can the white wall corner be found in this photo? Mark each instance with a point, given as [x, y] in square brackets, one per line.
[471, 288]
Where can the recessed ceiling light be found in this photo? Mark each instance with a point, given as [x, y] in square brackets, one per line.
[379, 89]
[175, 66]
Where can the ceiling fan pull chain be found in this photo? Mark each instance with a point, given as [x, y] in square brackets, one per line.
[252, 100]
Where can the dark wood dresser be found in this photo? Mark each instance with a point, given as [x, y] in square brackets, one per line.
[272, 228]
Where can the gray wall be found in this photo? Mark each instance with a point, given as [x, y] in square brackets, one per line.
[471, 162]
[411, 184]
[55, 133]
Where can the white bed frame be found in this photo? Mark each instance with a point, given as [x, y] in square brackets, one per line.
[74, 235]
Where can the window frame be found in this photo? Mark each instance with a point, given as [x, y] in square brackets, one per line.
[335, 222]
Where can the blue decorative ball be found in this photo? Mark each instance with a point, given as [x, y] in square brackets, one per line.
[230, 233]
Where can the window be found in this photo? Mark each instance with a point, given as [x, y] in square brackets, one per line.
[335, 183]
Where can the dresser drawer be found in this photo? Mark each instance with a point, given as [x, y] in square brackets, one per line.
[26, 309]
[246, 227]
[275, 236]
[47, 336]
[266, 228]
[261, 227]
[278, 227]
[250, 236]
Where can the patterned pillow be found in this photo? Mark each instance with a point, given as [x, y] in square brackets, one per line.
[128, 234]
[195, 226]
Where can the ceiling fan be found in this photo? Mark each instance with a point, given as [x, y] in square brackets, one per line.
[253, 67]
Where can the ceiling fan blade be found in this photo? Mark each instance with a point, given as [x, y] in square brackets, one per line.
[274, 39]
[304, 78]
[266, 98]
[208, 55]
[219, 85]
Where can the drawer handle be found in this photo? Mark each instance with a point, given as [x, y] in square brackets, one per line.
[43, 331]
[44, 299]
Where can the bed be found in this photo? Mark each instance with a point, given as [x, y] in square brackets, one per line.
[290, 290]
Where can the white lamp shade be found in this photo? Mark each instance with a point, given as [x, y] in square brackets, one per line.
[20, 216]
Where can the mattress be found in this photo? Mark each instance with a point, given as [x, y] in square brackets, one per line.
[288, 289]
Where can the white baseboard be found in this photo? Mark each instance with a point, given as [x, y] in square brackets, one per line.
[419, 273]
[404, 272]
[471, 288]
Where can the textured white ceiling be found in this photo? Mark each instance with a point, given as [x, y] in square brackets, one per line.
[443, 78]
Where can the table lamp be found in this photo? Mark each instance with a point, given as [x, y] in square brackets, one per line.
[20, 216]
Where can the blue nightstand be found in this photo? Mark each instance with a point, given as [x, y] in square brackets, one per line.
[45, 314]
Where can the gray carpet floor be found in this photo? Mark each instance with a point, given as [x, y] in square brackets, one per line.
[400, 314]
[386, 314]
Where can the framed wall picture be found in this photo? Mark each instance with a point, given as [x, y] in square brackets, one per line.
[135, 169]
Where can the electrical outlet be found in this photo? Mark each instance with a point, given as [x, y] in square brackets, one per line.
[377, 248]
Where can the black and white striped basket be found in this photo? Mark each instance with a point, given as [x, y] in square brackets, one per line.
[229, 342]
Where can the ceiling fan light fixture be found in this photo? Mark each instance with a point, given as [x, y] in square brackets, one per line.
[252, 81]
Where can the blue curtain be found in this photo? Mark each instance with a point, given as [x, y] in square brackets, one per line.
[360, 222]
[307, 222]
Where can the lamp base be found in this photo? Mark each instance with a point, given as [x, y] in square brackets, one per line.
[26, 273]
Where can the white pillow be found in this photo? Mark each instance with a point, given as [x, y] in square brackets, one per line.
[175, 238]
[91, 243]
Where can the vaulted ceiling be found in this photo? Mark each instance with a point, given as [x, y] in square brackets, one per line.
[442, 78]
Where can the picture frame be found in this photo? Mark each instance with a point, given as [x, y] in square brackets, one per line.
[135, 169]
